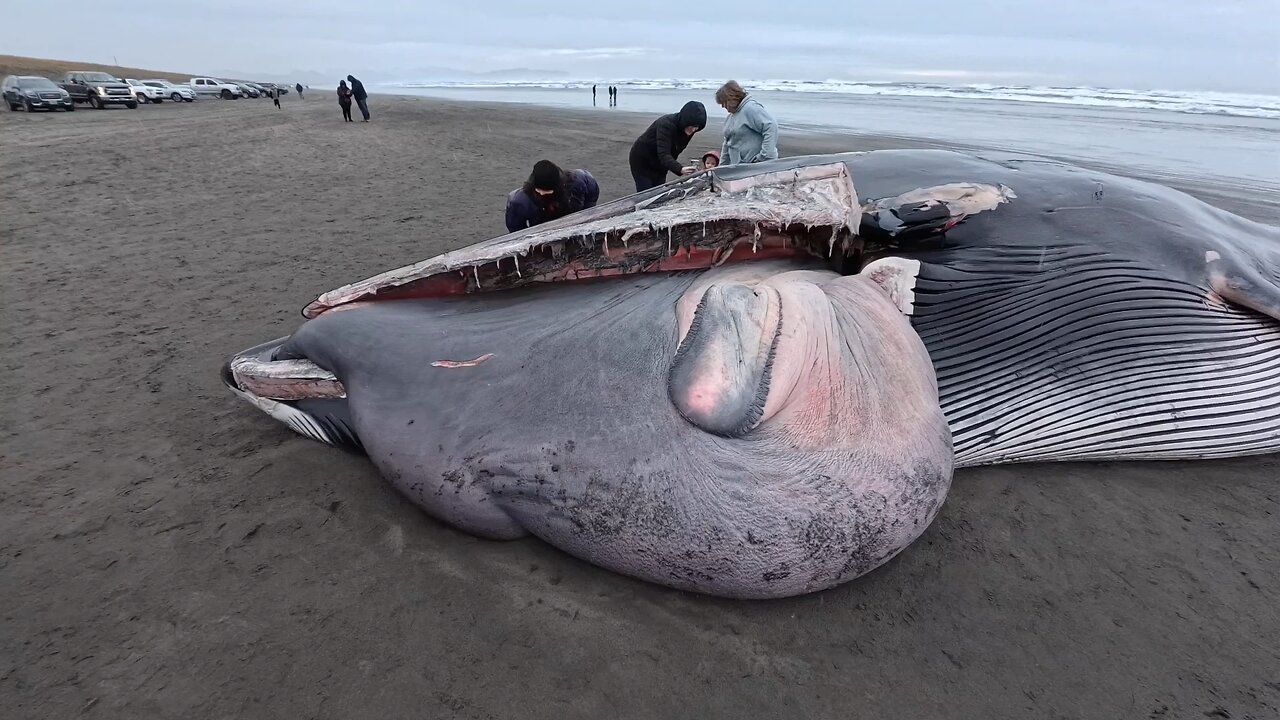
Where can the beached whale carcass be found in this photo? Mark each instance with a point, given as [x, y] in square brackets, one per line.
[756, 382]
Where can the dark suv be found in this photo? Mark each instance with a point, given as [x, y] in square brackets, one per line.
[99, 89]
[35, 93]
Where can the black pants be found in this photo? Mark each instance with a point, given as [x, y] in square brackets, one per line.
[647, 177]
[346, 111]
[364, 107]
[644, 181]
[277, 100]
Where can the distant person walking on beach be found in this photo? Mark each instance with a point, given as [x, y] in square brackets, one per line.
[593, 95]
[656, 151]
[750, 132]
[298, 87]
[550, 193]
[275, 95]
[362, 97]
[344, 100]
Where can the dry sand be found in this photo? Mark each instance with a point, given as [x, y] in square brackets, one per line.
[166, 551]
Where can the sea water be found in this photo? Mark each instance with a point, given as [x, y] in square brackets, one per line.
[1229, 139]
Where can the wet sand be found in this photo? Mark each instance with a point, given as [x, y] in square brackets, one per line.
[166, 551]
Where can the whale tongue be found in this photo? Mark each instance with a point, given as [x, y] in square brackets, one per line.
[697, 222]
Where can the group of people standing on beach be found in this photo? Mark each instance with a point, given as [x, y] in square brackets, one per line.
[356, 92]
[750, 136]
[613, 95]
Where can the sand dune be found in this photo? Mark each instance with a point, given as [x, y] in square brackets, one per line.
[55, 69]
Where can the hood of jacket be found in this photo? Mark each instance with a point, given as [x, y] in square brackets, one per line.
[693, 113]
[748, 100]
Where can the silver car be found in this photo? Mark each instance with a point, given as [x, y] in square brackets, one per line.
[176, 93]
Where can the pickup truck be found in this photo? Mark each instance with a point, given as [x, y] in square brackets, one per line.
[98, 89]
[216, 87]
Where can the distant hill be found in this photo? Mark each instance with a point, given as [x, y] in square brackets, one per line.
[54, 69]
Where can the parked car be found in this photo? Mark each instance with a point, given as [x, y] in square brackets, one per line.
[173, 91]
[216, 88]
[145, 93]
[271, 86]
[34, 93]
[248, 90]
[99, 89]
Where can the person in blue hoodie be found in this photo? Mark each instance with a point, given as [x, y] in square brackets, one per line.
[550, 193]
[750, 132]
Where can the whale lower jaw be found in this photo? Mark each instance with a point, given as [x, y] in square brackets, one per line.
[296, 392]
[300, 422]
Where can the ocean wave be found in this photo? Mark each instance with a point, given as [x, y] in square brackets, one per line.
[1196, 103]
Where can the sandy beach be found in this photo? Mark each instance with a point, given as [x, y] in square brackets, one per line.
[167, 551]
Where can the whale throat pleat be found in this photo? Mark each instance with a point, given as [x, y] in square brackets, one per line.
[1098, 359]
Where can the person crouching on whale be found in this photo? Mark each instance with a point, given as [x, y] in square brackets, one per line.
[550, 193]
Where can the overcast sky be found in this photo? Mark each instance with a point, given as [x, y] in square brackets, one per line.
[1228, 45]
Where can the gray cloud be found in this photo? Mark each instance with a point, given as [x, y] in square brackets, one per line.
[1176, 44]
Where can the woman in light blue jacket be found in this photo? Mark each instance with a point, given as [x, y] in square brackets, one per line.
[750, 132]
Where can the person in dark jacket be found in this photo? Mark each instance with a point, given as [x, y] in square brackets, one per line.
[344, 100]
[362, 97]
[298, 87]
[550, 193]
[655, 153]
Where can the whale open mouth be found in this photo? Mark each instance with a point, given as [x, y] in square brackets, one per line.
[700, 221]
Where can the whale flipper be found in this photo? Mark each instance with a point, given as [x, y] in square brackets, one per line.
[1255, 287]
